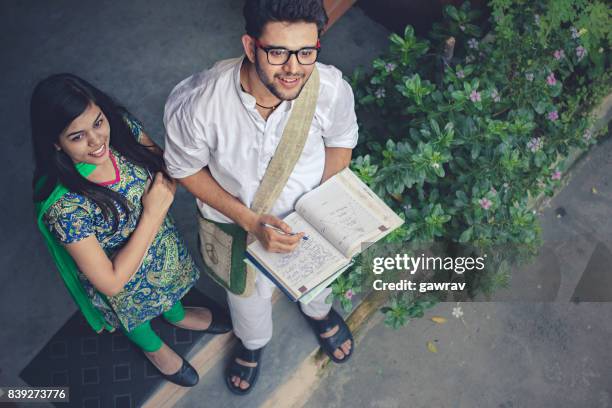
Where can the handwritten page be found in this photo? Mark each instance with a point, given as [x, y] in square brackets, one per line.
[368, 198]
[347, 213]
[308, 264]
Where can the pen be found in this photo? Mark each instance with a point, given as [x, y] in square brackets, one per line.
[280, 230]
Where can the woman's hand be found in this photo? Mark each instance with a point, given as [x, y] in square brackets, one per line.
[158, 197]
[274, 234]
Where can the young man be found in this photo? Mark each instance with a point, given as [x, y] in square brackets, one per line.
[223, 126]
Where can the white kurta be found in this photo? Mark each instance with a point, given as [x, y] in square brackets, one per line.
[211, 122]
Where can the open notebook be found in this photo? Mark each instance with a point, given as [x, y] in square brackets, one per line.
[338, 217]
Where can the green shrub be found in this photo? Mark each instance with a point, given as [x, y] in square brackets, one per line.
[459, 145]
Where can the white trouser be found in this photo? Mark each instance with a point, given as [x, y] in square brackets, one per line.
[252, 316]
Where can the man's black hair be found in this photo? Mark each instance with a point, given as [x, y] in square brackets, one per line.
[257, 13]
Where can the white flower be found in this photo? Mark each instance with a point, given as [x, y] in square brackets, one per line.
[495, 95]
[575, 33]
[536, 19]
[457, 312]
[473, 43]
[535, 144]
[390, 66]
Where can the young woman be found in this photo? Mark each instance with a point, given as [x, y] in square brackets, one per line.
[102, 197]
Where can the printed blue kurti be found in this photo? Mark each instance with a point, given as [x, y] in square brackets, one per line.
[167, 271]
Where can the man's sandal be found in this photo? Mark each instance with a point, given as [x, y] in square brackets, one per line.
[248, 374]
[332, 343]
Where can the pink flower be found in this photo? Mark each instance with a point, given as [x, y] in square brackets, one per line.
[556, 175]
[535, 144]
[559, 54]
[493, 191]
[580, 52]
[553, 115]
[349, 294]
[551, 80]
[475, 96]
[460, 74]
[485, 203]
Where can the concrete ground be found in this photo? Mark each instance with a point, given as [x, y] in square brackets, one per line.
[520, 353]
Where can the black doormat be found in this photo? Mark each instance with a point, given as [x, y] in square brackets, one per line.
[106, 370]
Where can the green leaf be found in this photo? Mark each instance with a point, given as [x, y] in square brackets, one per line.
[466, 235]
[458, 95]
[541, 107]
[451, 11]
[475, 151]
[396, 39]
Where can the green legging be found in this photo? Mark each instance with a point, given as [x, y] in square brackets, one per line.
[144, 336]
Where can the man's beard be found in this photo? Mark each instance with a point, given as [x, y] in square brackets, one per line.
[269, 83]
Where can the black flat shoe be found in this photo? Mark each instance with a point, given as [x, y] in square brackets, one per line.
[220, 323]
[248, 374]
[186, 376]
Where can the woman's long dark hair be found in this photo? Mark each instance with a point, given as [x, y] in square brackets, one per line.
[56, 102]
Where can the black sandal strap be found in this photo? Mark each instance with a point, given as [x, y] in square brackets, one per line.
[245, 373]
[333, 342]
[250, 356]
[326, 324]
[337, 339]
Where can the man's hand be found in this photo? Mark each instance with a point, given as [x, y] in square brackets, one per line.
[274, 234]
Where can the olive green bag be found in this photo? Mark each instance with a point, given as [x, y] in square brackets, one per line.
[223, 245]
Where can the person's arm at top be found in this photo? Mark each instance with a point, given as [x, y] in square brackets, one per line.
[336, 160]
[340, 135]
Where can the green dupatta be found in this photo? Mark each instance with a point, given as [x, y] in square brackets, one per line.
[64, 262]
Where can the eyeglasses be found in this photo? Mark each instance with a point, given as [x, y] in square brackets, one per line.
[280, 56]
